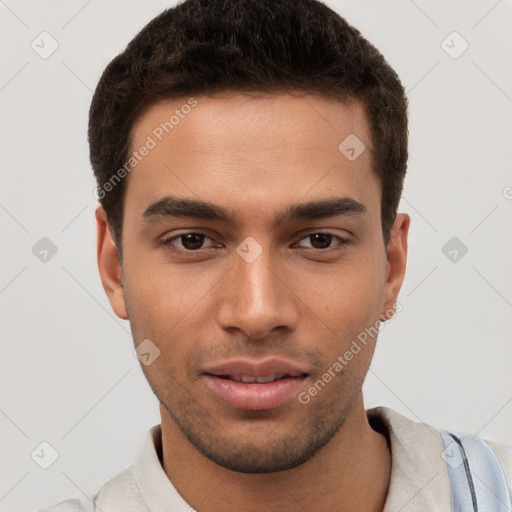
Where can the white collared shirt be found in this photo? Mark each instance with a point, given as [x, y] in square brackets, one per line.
[419, 476]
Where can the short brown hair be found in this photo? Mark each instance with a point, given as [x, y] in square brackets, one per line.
[208, 46]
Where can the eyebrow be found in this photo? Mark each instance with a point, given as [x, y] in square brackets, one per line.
[172, 206]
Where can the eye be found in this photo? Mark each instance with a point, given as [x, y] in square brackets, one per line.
[187, 241]
[322, 241]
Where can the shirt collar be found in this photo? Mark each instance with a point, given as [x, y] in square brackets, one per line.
[155, 488]
[419, 478]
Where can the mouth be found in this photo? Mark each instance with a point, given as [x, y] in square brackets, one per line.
[247, 379]
[255, 385]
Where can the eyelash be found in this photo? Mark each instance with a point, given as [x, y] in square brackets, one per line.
[168, 243]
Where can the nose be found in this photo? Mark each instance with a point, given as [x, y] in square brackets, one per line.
[257, 298]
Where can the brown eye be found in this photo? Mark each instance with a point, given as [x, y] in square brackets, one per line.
[192, 241]
[187, 242]
[322, 241]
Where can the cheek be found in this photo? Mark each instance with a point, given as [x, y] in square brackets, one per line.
[348, 291]
[348, 303]
[152, 301]
[162, 293]
[169, 307]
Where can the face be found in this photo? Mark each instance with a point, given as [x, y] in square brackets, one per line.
[253, 258]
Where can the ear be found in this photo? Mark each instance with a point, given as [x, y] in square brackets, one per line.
[397, 259]
[109, 265]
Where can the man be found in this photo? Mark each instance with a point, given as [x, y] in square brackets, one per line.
[250, 157]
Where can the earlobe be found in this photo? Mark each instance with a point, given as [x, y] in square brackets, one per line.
[109, 265]
[397, 260]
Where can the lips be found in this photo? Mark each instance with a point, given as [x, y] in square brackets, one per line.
[254, 385]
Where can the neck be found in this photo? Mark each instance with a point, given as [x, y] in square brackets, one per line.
[350, 473]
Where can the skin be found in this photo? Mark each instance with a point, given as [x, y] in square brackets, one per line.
[256, 155]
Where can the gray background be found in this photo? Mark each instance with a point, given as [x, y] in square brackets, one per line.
[68, 374]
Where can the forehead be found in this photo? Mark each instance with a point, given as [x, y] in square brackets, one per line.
[230, 117]
[252, 150]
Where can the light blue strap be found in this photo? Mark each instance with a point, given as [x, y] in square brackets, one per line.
[488, 476]
[463, 495]
[478, 483]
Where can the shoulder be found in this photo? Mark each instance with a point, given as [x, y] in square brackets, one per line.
[419, 445]
[119, 490]
[122, 492]
[504, 455]
[72, 505]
